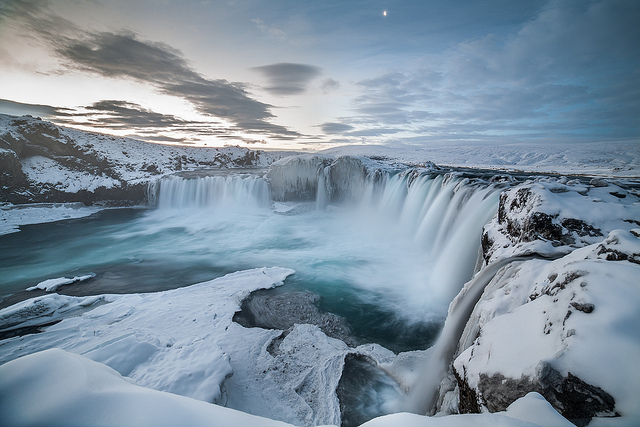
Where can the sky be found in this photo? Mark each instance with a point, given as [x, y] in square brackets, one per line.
[302, 74]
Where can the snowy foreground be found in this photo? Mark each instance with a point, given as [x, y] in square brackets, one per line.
[55, 387]
[150, 338]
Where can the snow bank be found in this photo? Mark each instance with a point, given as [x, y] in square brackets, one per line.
[49, 171]
[529, 411]
[55, 387]
[165, 340]
[185, 342]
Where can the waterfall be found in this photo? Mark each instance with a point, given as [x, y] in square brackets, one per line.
[231, 191]
[443, 213]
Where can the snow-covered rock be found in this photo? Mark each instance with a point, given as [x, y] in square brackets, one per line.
[552, 217]
[565, 328]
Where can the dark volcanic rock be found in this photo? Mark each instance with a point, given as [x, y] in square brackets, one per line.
[575, 399]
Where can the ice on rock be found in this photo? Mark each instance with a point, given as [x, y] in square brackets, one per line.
[45, 310]
[296, 178]
[552, 218]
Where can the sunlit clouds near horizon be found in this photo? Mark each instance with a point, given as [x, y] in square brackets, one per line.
[308, 75]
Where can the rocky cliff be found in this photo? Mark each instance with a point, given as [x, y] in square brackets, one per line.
[42, 162]
[560, 325]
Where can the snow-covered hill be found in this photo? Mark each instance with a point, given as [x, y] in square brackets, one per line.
[42, 162]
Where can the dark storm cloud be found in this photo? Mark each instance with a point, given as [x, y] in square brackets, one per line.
[287, 78]
[124, 55]
[119, 115]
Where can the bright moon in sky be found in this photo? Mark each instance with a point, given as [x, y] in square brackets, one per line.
[384, 13]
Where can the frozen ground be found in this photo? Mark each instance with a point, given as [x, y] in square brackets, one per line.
[611, 159]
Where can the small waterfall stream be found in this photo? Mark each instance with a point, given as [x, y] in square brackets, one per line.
[424, 393]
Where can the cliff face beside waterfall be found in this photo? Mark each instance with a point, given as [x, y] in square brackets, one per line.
[564, 327]
[42, 162]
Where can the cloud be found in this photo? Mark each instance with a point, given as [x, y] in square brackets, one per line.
[329, 85]
[571, 71]
[123, 114]
[287, 78]
[124, 55]
[18, 109]
[335, 128]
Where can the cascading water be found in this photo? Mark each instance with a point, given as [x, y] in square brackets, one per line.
[441, 214]
[244, 191]
[444, 214]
